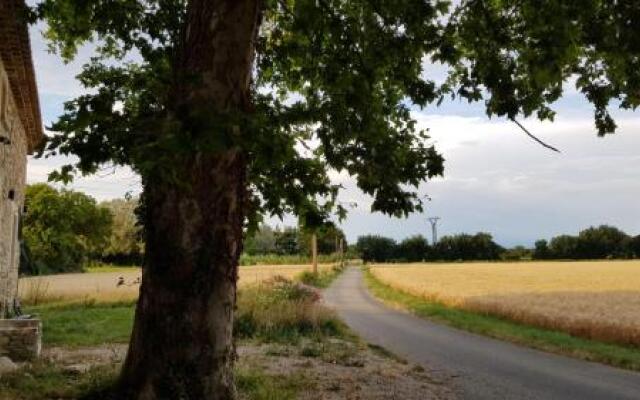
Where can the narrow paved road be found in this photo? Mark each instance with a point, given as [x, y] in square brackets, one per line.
[480, 367]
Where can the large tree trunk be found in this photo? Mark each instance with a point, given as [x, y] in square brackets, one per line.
[182, 341]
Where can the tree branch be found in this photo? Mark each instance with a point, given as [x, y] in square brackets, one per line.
[532, 136]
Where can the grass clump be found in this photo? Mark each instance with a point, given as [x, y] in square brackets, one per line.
[282, 310]
[322, 279]
[549, 340]
[254, 384]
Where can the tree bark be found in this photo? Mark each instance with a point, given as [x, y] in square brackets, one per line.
[182, 341]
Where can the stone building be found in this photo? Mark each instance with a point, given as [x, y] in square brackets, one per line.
[20, 134]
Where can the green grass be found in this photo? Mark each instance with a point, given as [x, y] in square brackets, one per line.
[322, 279]
[254, 384]
[44, 381]
[553, 341]
[280, 313]
[85, 324]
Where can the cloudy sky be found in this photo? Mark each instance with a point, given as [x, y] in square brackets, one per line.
[496, 179]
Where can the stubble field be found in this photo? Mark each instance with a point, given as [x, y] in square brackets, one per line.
[596, 299]
[105, 287]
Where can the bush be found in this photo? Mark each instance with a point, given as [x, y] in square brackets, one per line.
[63, 229]
[282, 310]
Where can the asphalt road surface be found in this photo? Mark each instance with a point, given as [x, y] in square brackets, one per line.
[478, 367]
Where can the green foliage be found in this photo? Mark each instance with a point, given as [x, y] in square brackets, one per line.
[518, 253]
[287, 241]
[261, 241]
[336, 79]
[125, 241]
[283, 311]
[376, 248]
[592, 243]
[63, 229]
[294, 259]
[322, 279]
[467, 247]
[541, 250]
[414, 248]
[450, 248]
[328, 238]
[548, 340]
[43, 380]
[256, 385]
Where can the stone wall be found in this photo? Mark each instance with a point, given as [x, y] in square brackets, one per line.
[20, 339]
[13, 160]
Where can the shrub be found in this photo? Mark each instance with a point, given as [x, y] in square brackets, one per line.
[282, 310]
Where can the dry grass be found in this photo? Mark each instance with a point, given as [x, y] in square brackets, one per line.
[597, 300]
[103, 286]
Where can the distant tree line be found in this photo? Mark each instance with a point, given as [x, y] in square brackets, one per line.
[462, 247]
[602, 242]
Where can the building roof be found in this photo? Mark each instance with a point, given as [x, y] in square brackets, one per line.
[15, 51]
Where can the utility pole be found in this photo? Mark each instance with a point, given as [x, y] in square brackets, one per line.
[434, 229]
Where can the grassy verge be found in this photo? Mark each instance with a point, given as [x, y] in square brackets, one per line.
[279, 312]
[322, 279]
[553, 341]
[44, 381]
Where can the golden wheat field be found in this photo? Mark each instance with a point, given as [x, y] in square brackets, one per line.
[595, 299]
[103, 286]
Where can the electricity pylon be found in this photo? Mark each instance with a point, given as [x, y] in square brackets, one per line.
[434, 229]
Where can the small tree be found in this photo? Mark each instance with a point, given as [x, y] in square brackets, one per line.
[125, 244]
[541, 250]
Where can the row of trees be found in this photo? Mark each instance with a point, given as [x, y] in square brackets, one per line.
[63, 230]
[293, 240]
[599, 242]
[602, 242]
[416, 248]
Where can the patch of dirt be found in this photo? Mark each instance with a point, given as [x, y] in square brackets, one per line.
[336, 370]
[348, 371]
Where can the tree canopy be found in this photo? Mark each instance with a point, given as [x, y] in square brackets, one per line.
[333, 85]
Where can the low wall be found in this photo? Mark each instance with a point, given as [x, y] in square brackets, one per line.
[20, 339]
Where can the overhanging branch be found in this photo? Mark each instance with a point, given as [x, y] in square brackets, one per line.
[532, 136]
